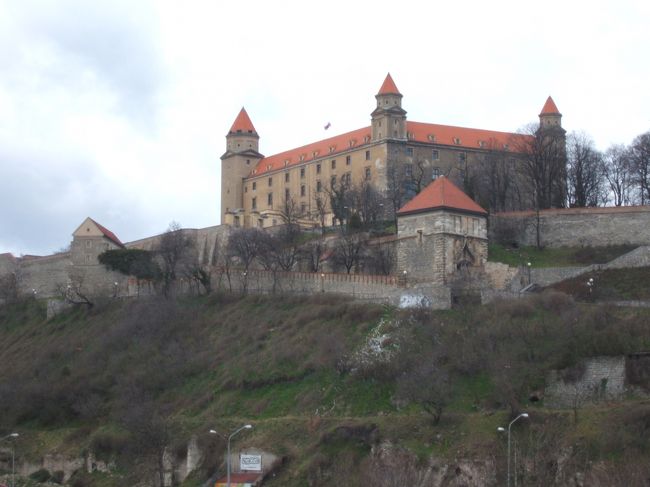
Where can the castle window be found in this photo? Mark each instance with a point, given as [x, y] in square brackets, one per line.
[88, 259]
[435, 155]
[333, 163]
[269, 199]
[287, 195]
[270, 181]
[254, 203]
[431, 137]
[333, 181]
[302, 157]
[286, 177]
[302, 173]
[505, 147]
[302, 190]
[319, 187]
[314, 154]
[254, 185]
[348, 177]
[248, 162]
[462, 156]
[409, 151]
[269, 167]
[332, 148]
[352, 142]
[260, 223]
[481, 143]
[89, 244]
[348, 160]
[245, 189]
[456, 140]
[317, 168]
[367, 155]
[286, 162]
[394, 122]
[408, 170]
[435, 172]
[366, 139]
[303, 209]
[236, 221]
[379, 123]
[367, 173]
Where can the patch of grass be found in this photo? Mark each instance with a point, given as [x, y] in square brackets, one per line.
[555, 257]
[609, 285]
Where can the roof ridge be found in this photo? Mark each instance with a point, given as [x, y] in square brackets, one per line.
[242, 123]
[388, 87]
[439, 194]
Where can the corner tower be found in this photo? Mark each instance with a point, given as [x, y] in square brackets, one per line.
[388, 118]
[241, 156]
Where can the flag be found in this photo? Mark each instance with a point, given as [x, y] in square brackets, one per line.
[328, 125]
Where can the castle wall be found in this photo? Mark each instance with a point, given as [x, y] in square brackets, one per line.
[43, 274]
[574, 227]
[594, 379]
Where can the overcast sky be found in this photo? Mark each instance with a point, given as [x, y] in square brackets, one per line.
[118, 109]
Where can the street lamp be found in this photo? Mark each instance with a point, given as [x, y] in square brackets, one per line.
[522, 415]
[13, 458]
[245, 427]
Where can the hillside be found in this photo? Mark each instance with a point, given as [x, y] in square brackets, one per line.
[341, 391]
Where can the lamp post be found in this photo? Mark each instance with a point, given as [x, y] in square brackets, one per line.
[13, 464]
[522, 415]
[245, 427]
[529, 277]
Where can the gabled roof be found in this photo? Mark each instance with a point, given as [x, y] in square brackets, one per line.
[242, 124]
[102, 229]
[550, 108]
[108, 234]
[441, 194]
[388, 87]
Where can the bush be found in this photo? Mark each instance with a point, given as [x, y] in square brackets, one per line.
[57, 477]
[42, 475]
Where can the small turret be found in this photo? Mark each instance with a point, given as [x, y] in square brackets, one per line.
[388, 118]
[550, 116]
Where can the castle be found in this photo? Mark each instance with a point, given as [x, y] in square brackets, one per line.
[391, 151]
[440, 229]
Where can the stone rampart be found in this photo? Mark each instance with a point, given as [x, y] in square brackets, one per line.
[574, 227]
[594, 379]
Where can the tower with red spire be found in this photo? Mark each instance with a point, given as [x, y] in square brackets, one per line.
[388, 118]
[241, 156]
[550, 117]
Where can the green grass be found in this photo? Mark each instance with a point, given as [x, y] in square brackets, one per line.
[555, 257]
[610, 285]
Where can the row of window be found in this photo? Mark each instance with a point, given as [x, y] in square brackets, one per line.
[345, 178]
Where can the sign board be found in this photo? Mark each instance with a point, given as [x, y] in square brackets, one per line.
[250, 462]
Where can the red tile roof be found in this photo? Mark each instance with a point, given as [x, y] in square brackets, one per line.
[316, 150]
[242, 123]
[550, 108]
[388, 87]
[108, 234]
[420, 132]
[441, 194]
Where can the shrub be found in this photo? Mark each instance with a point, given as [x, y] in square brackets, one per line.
[57, 477]
[42, 475]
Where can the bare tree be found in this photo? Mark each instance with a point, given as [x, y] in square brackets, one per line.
[347, 251]
[542, 162]
[639, 154]
[498, 189]
[618, 173]
[75, 292]
[340, 200]
[366, 202]
[245, 245]
[380, 258]
[173, 248]
[585, 172]
[427, 384]
[313, 253]
[320, 209]
[290, 211]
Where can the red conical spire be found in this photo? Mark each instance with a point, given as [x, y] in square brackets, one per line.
[242, 123]
[388, 87]
[550, 108]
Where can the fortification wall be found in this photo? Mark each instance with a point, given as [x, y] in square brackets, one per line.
[574, 227]
[595, 379]
[42, 275]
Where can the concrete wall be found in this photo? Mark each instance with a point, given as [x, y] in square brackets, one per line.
[574, 227]
[595, 379]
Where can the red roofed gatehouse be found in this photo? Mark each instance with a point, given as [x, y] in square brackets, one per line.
[441, 231]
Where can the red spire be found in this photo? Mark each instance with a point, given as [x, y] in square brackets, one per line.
[441, 194]
[389, 87]
[550, 108]
[242, 123]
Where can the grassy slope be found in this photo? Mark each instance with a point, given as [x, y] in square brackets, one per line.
[219, 362]
[555, 257]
